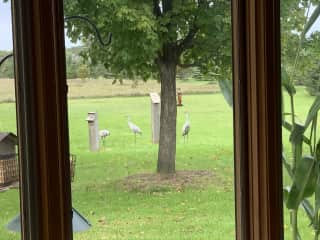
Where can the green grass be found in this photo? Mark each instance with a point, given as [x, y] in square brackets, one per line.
[166, 213]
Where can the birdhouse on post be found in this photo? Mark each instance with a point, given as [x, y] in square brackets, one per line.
[92, 120]
[155, 116]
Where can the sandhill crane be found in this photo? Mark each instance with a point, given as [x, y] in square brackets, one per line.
[134, 128]
[103, 134]
[186, 128]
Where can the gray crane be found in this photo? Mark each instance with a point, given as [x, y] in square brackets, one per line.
[134, 128]
[186, 128]
[103, 134]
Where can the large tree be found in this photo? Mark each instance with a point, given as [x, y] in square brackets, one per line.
[150, 39]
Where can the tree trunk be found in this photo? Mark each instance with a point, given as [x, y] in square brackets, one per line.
[168, 119]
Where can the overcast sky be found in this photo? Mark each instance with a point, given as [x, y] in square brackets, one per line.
[6, 28]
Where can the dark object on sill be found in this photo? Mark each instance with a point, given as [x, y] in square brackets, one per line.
[79, 223]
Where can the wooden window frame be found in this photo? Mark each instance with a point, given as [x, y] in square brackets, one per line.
[41, 92]
[257, 119]
[43, 131]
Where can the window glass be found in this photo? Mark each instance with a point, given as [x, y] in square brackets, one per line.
[301, 87]
[126, 183]
[9, 169]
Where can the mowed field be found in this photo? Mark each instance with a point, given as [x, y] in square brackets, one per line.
[122, 209]
[100, 88]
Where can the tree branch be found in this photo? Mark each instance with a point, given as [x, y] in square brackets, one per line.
[188, 65]
[156, 8]
[187, 42]
[167, 5]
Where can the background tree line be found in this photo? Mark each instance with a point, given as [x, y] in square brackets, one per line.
[77, 67]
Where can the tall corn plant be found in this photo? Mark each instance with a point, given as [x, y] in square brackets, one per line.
[304, 165]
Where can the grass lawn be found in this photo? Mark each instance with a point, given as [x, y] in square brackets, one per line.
[117, 212]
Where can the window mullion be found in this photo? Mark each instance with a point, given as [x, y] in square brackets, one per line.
[42, 119]
[257, 123]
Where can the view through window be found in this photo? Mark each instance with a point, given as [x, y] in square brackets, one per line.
[9, 170]
[301, 102]
[137, 175]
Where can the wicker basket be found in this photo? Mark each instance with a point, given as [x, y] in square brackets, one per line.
[9, 169]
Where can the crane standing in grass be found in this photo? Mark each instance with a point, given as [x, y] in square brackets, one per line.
[134, 128]
[186, 128]
[103, 134]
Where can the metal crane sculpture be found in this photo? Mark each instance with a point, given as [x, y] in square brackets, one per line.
[186, 128]
[103, 134]
[134, 128]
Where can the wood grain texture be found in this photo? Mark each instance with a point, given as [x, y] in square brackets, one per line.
[257, 119]
[42, 119]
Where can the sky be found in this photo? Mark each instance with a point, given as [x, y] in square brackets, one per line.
[6, 28]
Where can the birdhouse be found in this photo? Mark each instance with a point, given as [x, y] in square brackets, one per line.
[9, 170]
[92, 120]
[155, 116]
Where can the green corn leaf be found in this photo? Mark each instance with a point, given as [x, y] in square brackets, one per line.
[286, 83]
[311, 21]
[303, 184]
[286, 192]
[288, 126]
[309, 210]
[297, 134]
[317, 152]
[287, 166]
[226, 89]
[312, 112]
[317, 193]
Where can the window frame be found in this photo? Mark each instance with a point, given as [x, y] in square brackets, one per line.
[43, 131]
[39, 53]
[257, 119]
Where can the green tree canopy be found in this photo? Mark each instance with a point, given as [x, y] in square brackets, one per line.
[150, 39]
[198, 33]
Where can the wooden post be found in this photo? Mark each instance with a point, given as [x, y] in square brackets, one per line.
[93, 131]
[155, 117]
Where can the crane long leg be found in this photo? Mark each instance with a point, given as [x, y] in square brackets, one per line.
[135, 138]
